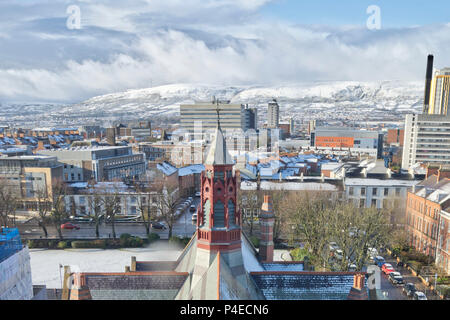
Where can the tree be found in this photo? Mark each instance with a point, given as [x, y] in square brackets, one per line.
[250, 203]
[44, 207]
[168, 201]
[111, 202]
[145, 207]
[96, 208]
[58, 208]
[317, 219]
[8, 203]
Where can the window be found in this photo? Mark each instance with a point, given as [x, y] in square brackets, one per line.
[350, 191]
[374, 191]
[231, 213]
[386, 192]
[363, 191]
[362, 203]
[374, 203]
[397, 192]
[219, 215]
[206, 212]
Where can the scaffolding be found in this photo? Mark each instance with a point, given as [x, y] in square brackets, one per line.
[10, 242]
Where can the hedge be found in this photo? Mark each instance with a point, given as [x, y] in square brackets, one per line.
[255, 241]
[299, 254]
[89, 244]
[180, 241]
[153, 237]
[62, 245]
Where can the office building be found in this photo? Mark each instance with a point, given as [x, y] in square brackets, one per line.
[427, 140]
[360, 142]
[437, 90]
[273, 114]
[232, 116]
[100, 163]
[30, 176]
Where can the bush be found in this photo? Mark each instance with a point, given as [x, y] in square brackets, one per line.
[31, 244]
[100, 244]
[445, 291]
[153, 237]
[255, 241]
[62, 245]
[179, 240]
[416, 266]
[299, 254]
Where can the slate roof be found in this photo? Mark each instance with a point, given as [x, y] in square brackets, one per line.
[304, 285]
[156, 265]
[218, 153]
[283, 266]
[134, 285]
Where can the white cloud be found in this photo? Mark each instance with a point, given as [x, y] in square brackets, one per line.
[132, 44]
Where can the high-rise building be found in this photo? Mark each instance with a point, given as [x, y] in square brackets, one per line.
[111, 136]
[273, 114]
[251, 118]
[440, 92]
[232, 116]
[426, 140]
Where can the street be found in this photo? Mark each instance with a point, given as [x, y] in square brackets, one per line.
[184, 226]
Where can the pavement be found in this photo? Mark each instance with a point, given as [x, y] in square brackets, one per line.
[184, 226]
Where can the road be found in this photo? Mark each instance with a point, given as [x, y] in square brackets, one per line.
[184, 226]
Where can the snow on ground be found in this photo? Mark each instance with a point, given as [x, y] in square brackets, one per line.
[45, 263]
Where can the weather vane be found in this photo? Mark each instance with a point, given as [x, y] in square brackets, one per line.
[218, 113]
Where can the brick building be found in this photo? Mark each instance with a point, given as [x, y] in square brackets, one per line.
[423, 211]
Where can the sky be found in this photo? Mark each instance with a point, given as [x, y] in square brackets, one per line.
[72, 50]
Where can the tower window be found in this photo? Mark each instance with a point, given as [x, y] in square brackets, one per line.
[206, 212]
[219, 215]
[231, 213]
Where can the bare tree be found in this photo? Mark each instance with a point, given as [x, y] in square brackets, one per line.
[8, 203]
[96, 209]
[111, 202]
[44, 207]
[145, 206]
[168, 200]
[58, 208]
[250, 203]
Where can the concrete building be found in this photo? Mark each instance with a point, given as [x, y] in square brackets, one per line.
[232, 116]
[273, 114]
[361, 142]
[15, 268]
[427, 140]
[99, 163]
[28, 175]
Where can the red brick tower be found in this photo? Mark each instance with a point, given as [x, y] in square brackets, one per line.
[218, 223]
[266, 221]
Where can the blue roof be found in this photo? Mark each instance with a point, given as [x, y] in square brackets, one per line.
[166, 168]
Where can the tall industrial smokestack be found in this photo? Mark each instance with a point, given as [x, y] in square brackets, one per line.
[429, 78]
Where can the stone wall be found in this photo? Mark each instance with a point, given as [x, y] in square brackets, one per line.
[15, 280]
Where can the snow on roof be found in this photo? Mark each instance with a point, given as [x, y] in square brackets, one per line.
[166, 168]
[332, 166]
[193, 169]
[379, 182]
[267, 185]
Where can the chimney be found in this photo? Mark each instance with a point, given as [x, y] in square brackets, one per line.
[111, 136]
[358, 291]
[266, 220]
[428, 80]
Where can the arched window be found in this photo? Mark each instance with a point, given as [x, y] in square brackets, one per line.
[206, 211]
[219, 215]
[231, 213]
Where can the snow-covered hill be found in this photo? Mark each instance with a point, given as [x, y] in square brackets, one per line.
[319, 100]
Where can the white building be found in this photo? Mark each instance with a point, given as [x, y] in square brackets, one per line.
[388, 193]
[427, 140]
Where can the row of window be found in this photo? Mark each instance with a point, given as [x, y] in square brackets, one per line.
[351, 191]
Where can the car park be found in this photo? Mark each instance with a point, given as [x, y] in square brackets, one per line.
[409, 289]
[387, 268]
[418, 295]
[396, 278]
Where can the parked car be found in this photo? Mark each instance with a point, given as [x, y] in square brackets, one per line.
[158, 225]
[193, 208]
[190, 199]
[387, 268]
[379, 261]
[70, 226]
[333, 246]
[352, 267]
[409, 289]
[418, 295]
[198, 194]
[194, 217]
[339, 254]
[396, 278]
